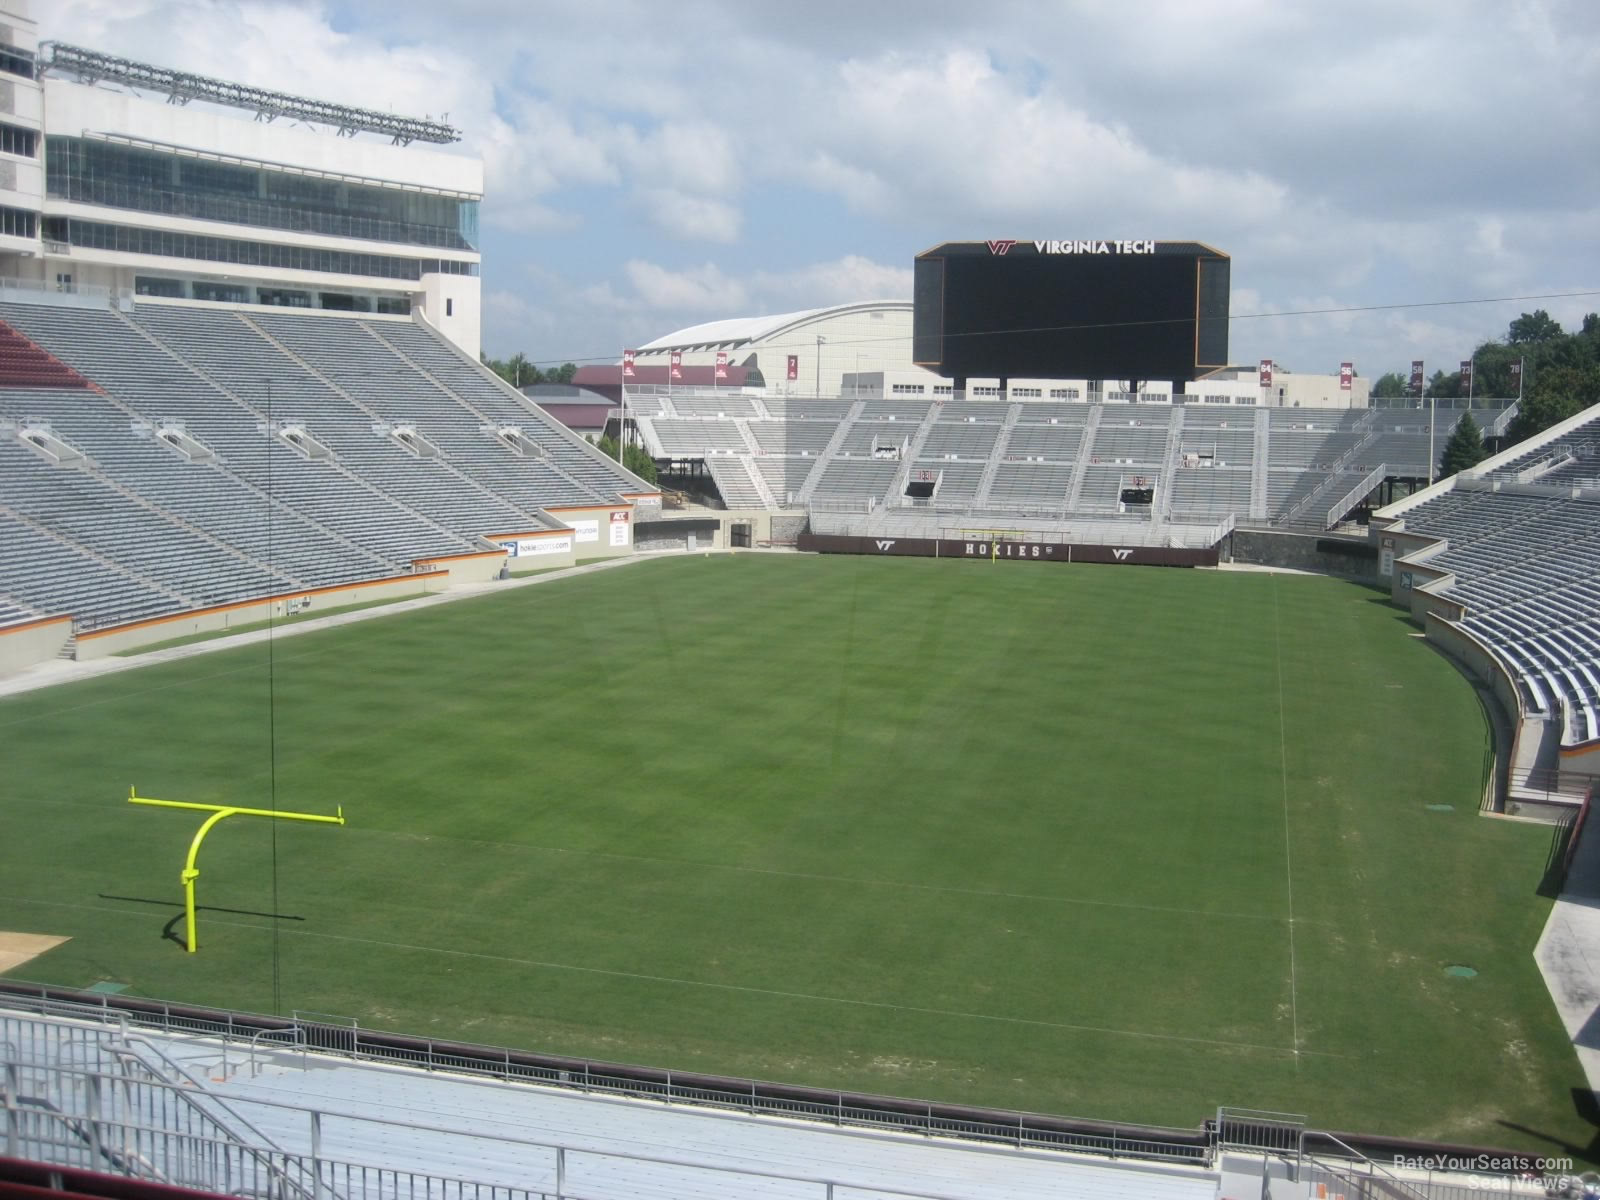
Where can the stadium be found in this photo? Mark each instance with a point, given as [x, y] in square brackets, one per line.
[737, 844]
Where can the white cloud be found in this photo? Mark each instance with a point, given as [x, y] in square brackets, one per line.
[686, 217]
[1360, 153]
[840, 281]
[702, 289]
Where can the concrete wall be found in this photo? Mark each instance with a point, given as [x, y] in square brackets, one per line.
[1404, 576]
[101, 642]
[1352, 558]
[32, 642]
[1581, 760]
[707, 532]
[1483, 666]
[599, 531]
[786, 527]
[465, 568]
[712, 528]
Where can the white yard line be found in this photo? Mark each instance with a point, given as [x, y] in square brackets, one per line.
[1288, 850]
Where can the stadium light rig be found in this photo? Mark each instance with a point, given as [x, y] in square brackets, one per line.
[91, 66]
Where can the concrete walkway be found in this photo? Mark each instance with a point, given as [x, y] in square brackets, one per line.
[48, 674]
[1568, 955]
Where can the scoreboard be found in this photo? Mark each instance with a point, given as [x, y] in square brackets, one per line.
[1097, 309]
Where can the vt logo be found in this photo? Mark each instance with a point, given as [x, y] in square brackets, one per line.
[1123, 555]
[884, 545]
[1000, 247]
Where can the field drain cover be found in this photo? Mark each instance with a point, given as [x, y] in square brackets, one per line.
[1440, 807]
[1462, 972]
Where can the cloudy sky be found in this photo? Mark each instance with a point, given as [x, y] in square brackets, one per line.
[655, 163]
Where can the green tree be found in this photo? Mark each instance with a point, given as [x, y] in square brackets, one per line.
[519, 371]
[1554, 395]
[638, 460]
[1463, 449]
[1391, 385]
[1535, 328]
[1491, 370]
[635, 458]
[1446, 387]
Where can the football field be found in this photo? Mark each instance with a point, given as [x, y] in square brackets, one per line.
[1120, 843]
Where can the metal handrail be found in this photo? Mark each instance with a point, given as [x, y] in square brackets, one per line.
[190, 1097]
[1372, 1166]
[310, 1163]
[1344, 503]
[1011, 1128]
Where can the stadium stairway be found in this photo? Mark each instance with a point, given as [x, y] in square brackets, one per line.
[997, 456]
[1169, 469]
[832, 448]
[1258, 465]
[1080, 465]
[1341, 479]
[897, 485]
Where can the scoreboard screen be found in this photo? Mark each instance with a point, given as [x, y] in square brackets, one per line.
[1071, 310]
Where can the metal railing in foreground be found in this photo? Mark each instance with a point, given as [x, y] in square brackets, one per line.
[845, 1109]
[1271, 1134]
[93, 1136]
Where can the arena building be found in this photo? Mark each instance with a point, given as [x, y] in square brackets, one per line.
[807, 353]
[864, 351]
[177, 196]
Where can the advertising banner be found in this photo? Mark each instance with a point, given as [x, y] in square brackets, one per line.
[999, 549]
[532, 547]
[621, 527]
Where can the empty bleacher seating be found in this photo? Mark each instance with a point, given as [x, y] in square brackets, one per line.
[201, 456]
[1526, 569]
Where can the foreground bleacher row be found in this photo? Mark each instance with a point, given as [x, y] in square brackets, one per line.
[1204, 463]
[172, 458]
[1520, 541]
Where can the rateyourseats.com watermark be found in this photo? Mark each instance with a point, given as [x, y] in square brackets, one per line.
[1488, 1172]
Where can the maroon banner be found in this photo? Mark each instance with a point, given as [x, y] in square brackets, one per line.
[1466, 372]
[1265, 371]
[675, 370]
[627, 364]
[794, 367]
[721, 369]
[981, 549]
[1416, 377]
[1347, 376]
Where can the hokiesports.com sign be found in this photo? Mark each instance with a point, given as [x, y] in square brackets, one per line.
[1063, 552]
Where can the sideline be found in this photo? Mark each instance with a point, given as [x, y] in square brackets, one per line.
[58, 671]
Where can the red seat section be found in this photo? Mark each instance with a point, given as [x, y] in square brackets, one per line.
[25, 363]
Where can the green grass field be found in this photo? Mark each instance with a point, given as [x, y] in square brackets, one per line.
[1116, 843]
